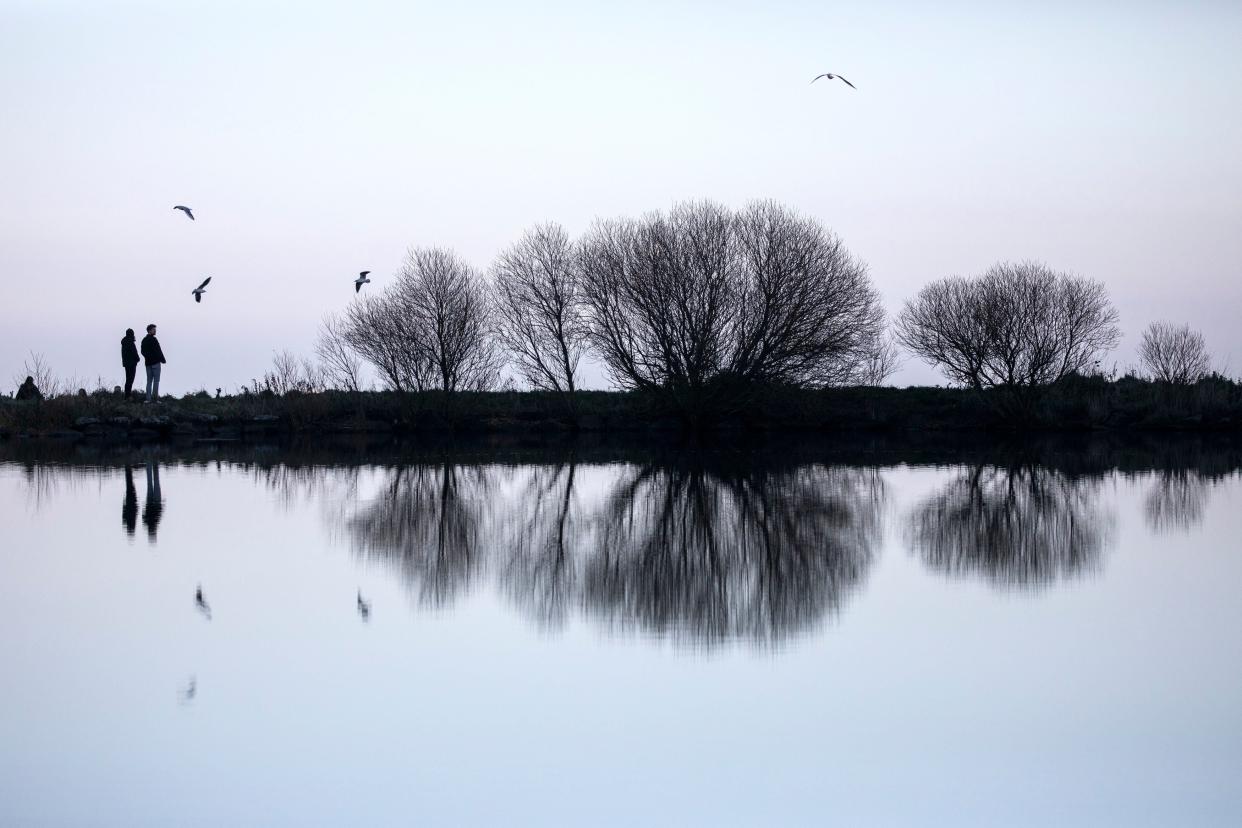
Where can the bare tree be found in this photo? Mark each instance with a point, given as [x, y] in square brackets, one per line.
[290, 374]
[379, 330]
[1018, 326]
[702, 300]
[1174, 353]
[37, 368]
[448, 303]
[340, 363]
[538, 313]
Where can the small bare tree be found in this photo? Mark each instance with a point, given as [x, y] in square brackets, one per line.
[340, 363]
[538, 308]
[448, 303]
[37, 368]
[1174, 353]
[290, 374]
[1018, 326]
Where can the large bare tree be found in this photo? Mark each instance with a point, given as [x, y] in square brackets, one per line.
[704, 303]
[538, 308]
[1017, 326]
[448, 302]
[1174, 353]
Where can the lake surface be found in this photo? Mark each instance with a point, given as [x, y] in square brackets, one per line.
[1044, 633]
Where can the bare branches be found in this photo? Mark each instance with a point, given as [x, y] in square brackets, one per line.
[1174, 354]
[448, 304]
[704, 299]
[340, 364]
[538, 308]
[1018, 326]
[290, 374]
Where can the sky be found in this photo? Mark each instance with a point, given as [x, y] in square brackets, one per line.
[316, 140]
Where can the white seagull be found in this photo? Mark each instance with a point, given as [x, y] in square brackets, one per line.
[831, 76]
[185, 210]
[361, 280]
[200, 290]
[364, 609]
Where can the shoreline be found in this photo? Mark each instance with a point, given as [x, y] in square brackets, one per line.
[1075, 406]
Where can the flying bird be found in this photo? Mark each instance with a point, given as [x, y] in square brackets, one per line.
[361, 280]
[364, 609]
[185, 210]
[202, 605]
[200, 290]
[831, 76]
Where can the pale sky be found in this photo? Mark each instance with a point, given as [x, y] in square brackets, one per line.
[316, 140]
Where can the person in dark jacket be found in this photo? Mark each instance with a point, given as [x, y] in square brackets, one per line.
[28, 390]
[153, 356]
[129, 361]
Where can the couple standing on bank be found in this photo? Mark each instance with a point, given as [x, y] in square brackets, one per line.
[152, 355]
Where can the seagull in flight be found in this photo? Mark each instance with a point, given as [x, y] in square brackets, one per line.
[361, 280]
[364, 608]
[200, 290]
[831, 76]
[202, 605]
[185, 210]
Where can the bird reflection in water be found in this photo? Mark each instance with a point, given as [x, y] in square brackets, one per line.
[1017, 526]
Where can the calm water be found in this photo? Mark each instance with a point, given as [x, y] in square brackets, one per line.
[865, 634]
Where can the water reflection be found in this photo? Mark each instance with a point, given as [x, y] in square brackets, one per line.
[153, 508]
[427, 522]
[701, 551]
[1023, 526]
[1177, 500]
[129, 506]
[719, 552]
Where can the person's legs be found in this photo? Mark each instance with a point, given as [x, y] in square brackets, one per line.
[153, 382]
[130, 371]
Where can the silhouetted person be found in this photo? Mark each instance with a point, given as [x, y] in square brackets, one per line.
[129, 506]
[129, 361]
[153, 356]
[28, 390]
[153, 509]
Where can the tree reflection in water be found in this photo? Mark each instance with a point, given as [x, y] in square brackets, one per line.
[1022, 526]
[1177, 500]
[700, 552]
[428, 522]
[714, 553]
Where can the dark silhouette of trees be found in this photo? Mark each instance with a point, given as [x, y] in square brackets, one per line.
[1018, 326]
[1174, 354]
[538, 308]
[379, 330]
[703, 304]
[430, 328]
[449, 304]
[1022, 525]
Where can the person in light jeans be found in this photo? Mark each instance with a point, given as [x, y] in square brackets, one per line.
[153, 357]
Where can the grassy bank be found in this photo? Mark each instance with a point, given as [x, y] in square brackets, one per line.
[1075, 404]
